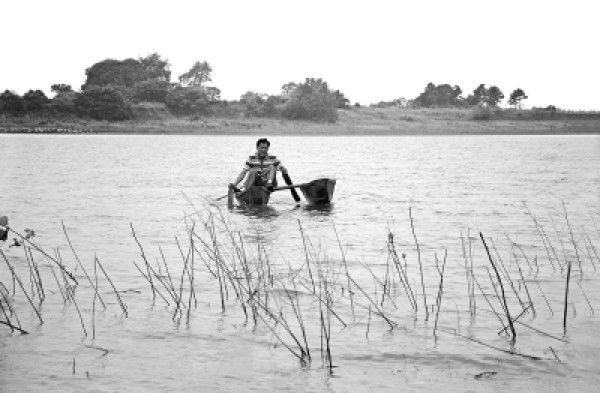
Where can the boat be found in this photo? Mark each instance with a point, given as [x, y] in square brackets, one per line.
[252, 196]
[319, 191]
[316, 192]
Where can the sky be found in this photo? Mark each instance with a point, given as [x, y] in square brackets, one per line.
[371, 50]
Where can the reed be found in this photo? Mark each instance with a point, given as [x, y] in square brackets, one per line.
[504, 303]
[119, 299]
[12, 270]
[412, 227]
[440, 292]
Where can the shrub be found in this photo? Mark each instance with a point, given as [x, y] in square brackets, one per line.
[11, 103]
[482, 112]
[103, 103]
[63, 102]
[153, 90]
[311, 100]
[35, 100]
[187, 100]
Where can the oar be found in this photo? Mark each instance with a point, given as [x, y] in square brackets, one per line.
[291, 186]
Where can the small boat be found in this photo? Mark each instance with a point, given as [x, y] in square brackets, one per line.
[316, 192]
[319, 191]
[254, 195]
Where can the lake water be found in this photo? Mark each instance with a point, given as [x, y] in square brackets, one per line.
[455, 186]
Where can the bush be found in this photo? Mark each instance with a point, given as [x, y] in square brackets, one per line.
[63, 103]
[151, 90]
[35, 100]
[103, 103]
[311, 100]
[482, 112]
[11, 103]
[187, 100]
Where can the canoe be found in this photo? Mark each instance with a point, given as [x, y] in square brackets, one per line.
[318, 192]
[254, 195]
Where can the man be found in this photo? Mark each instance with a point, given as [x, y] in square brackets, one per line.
[260, 169]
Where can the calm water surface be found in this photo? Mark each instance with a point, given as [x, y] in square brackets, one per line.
[456, 186]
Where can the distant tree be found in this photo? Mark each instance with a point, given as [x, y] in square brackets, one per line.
[516, 97]
[441, 95]
[114, 72]
[213, 94]
[341, 101]
[103, 103]
[34, 100]
[153, 90]
[197, 75]
[60, 88]
[188, 100]
[64, 102]
[154, 67]
[479, 96]
[11, 103]
[494, 96]
[288, 88]
[311, 100]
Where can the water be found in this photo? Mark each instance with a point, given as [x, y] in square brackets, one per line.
[455, 186]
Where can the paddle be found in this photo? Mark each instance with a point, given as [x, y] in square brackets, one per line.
[288, 181]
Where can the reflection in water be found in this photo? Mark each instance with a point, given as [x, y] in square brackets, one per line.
[319, 210]
[257, 211]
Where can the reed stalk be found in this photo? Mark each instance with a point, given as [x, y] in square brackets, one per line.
[506, 310]
[440, 293]
[119, 299]
[573, 240]
[12, 270]
[412, 227]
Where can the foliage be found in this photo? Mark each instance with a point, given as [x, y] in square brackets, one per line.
[441, 95]
[288, 88]
[63, 102]
[127, 72]
[11, 103]
[494, 96]
[311, 100]
[261, 105]
[154, 67]
[61, 88]
[103, 103]
[152, 90]
[516, 97]
[35, 100]
[341, 101]
[482, 112]
[484, 96]
[197, 75]
[188, 100]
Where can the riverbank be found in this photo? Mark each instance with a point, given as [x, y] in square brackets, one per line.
[357, 121]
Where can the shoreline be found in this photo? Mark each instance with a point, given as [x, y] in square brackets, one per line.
[362, 122]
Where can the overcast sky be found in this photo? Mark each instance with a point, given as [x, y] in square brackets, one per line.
[370, 50]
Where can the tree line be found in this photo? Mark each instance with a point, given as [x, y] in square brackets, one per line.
[113, 88]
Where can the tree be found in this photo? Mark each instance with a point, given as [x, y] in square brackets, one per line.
[441, 95]
[11, 103]
[197, 75]
[311, 100]
[103, 103]
[35, 100]
[288, 88]
[187, 100]
[516, 97]
[114, 72]
[61, 88]
[494, 96]
[154, 67]
[340, 100]
[154, 90]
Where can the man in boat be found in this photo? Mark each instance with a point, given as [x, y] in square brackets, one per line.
[260, 169]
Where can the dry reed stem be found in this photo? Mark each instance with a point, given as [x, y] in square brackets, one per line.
[350, 292]
[440, 292]
[412, 227]
[121, 303]
[12, 270]
[506, 310]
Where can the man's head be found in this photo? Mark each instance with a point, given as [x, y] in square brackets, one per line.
[262, 147]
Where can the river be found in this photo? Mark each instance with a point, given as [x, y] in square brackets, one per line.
[456, 187]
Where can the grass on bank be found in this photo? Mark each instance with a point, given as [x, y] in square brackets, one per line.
[154, 118]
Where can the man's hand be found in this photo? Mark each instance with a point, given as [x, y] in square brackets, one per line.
[234, 188]
[269, 187]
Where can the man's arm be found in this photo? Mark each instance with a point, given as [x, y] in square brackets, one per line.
[240, 177]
